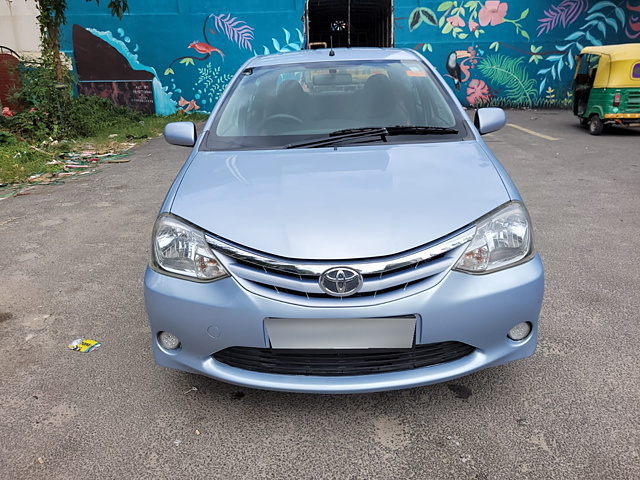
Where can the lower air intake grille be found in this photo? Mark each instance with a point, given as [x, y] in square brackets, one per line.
[335, 363]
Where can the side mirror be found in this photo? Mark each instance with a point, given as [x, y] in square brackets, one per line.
[489, 119]
[181, 133]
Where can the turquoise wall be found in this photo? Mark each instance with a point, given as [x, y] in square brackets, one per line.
[512, 53]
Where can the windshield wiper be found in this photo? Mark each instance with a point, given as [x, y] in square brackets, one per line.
[340, 136]
[420, 130]
[347, 134]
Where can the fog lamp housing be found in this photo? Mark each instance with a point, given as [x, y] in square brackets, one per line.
[168, 340]
[520, 331]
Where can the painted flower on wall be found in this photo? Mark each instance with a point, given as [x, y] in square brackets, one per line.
[478, 92]
[456, 21]
[493, 12]
[452, 16]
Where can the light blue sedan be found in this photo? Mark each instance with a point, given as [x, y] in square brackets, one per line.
[340, 227]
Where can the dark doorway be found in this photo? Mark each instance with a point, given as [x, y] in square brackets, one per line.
[349, 23]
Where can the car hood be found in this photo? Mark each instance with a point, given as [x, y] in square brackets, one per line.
[344, 203]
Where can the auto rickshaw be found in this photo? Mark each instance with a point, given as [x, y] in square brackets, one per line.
[606, 87]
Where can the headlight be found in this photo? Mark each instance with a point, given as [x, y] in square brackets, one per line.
[181, 249]
[503, 238]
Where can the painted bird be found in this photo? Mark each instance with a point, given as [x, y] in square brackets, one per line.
[202, 47]
[453, 67]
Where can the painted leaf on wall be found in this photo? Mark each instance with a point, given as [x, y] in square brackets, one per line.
[422, 14]
[563, 14]
[428, 16]
[414, 20]
[236, 30]
[604, 18]
[288, 46]
[512, 76]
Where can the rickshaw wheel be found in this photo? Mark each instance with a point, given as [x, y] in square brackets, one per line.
[595, 124]
[584, 121]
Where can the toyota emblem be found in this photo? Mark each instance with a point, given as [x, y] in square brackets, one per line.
[341, 281]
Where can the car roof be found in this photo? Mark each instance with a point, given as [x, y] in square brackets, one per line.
[340, 54]
[627, 51]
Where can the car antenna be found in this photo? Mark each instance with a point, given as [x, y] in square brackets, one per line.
[331, 52]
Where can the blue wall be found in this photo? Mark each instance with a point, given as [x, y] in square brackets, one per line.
[512, 53]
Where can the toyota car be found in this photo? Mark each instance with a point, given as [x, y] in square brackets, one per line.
[340, 226]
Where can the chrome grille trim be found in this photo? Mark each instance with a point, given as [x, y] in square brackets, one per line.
[366, 268]
[311, 285]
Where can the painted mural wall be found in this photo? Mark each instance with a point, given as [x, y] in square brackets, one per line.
[508, 53]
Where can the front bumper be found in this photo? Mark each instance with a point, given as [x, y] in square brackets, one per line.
[476, 310]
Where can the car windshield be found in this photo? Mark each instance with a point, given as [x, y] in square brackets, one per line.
[284, 105]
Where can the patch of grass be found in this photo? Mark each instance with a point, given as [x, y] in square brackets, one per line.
[135, 131]
[53, 122]
[114, 130]
[18, 162]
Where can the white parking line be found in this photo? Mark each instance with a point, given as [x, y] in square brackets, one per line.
[531, 132]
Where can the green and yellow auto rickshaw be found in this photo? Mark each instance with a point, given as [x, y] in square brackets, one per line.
[606, 87]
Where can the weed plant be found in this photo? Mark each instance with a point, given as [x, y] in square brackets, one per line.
[110, 132]
[54, 121]
[51, 112]
[18, 161]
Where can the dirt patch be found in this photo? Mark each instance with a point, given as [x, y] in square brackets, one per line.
[4, 316]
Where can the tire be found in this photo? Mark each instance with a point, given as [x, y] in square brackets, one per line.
[595, 124]
[584, 121]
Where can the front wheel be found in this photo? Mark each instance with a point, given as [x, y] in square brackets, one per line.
[595, 125]
[584, 121]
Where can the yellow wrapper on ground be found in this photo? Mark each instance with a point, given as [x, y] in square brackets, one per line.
[84, 346]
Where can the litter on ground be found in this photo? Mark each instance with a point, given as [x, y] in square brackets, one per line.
[69, 164]
[84, 345]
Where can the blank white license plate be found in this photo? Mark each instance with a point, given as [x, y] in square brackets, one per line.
[392, 332]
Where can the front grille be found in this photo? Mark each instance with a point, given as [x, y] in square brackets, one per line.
[337, 363]
[389, 277]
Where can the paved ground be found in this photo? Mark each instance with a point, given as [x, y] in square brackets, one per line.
[72, 262]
